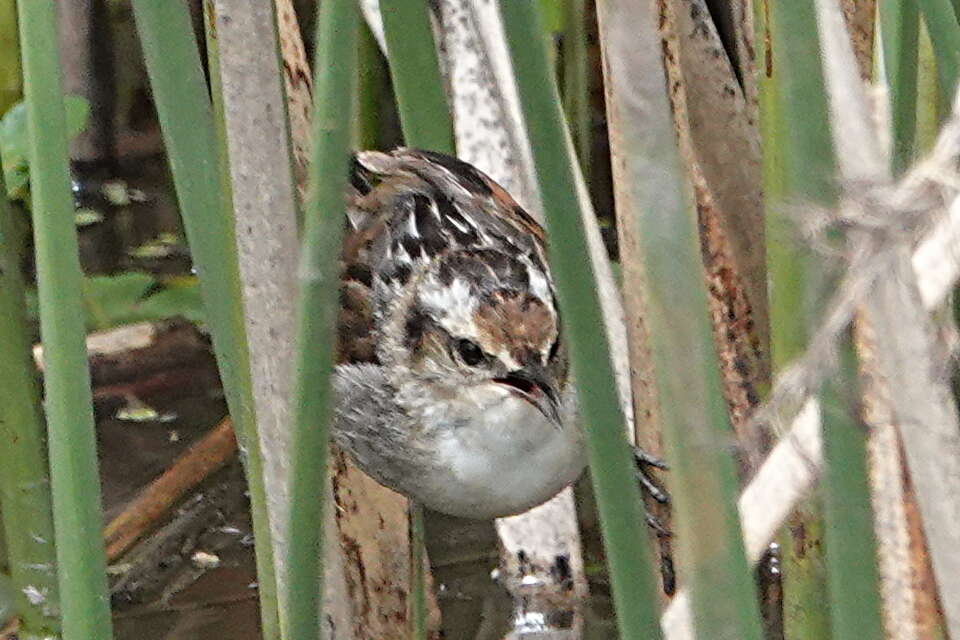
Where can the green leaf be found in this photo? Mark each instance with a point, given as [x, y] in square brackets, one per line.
[138, 297]
[131, 297]
[13, 140]
[554, 16]
[180, 297]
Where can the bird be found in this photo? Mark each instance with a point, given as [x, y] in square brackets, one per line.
[452, 380]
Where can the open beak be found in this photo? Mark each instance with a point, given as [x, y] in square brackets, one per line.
[532, 384]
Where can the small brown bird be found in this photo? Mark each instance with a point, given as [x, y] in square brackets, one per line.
[453, 383]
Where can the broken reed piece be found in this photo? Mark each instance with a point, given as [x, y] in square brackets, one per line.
[210, 454]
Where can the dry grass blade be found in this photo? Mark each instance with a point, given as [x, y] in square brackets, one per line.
[692, 409]
[713, 98]
[489, 130]
[264, 209]
[298, 84]
[925, 411]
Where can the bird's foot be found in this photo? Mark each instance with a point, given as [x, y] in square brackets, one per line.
[651, 486]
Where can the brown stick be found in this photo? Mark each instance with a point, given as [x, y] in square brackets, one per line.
[143, 513]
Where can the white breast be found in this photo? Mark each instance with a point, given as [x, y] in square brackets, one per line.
[496, 455]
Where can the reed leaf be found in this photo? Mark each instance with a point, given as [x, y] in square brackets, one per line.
[794, 91]
[811, 175]
[848, 516]
[417, 83]
[928, 107]
[312, 401]
[693, 411]
[418, 582]
[617, 495]
[186, 118]
[576, 81]
[371, 81]
[75, 482]
[899, 24]
[941, 21]
[851, 541]
[24, 480]
[11, 83]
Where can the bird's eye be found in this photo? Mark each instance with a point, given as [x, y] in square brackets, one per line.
[470, 352]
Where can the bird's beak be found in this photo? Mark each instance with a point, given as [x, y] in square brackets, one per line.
[533, 384]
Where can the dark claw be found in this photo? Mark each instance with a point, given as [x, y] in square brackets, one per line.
[654, 523]
[657, 493]
[643, 460]
[648, 459]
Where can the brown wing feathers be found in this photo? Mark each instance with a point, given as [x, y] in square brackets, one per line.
[419, 199]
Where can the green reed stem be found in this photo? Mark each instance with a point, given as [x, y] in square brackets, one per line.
[424, 114]
[75, 482]
[899, 25]
[576, 82]
[653, 203]
[941, 21]
[25, 497]
[848, 514]
[847, 528]
[794, 100]
[617, 494]
[312, 399]
[371, 80]
[11, 82]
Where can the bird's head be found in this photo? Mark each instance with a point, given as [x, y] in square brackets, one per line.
[485, 322]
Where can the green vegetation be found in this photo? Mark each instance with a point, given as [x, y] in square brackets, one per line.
[74, 481]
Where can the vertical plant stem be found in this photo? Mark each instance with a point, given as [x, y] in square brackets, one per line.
[941, 21]
[318, 308]
[617, 495]
[809, 167]
[899, 24]
[848, 516]
[418, 583]
[11, 84]
[183, 106]
[370, 83]
[928, 104]
[851, 541]
[24, 481]
[693, 411]
[424, 114]
[798, 165]
[576, 82]
[848, 523]
[75, 482]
